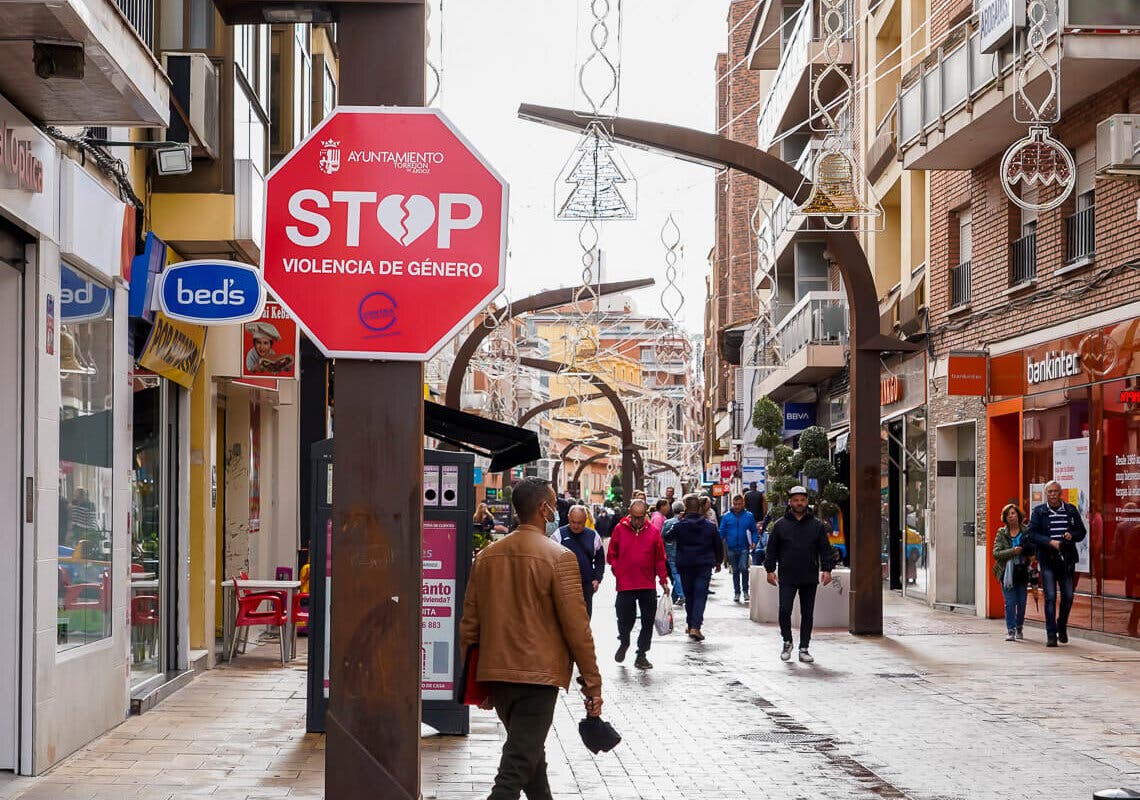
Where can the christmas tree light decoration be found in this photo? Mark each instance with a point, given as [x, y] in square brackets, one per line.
[595, 183]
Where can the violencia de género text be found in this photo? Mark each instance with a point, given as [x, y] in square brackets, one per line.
[364, 266]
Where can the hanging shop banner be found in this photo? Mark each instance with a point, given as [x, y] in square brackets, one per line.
[798, 417]
[728, 470]
[269, 345]
[145, 269]
[80, 298]
[254, 466]
[211, 292]
[1071, 469]
[174, 350]
[966, 374]
[756, 473]
[437, 648]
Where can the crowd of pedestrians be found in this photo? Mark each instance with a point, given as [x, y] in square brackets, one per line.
[530, 596]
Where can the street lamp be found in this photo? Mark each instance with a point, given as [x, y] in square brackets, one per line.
[172, 158]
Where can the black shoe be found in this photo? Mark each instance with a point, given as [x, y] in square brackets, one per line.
[641, 662]
[1063, 636]
[1051, 643]
[710, 591]
[619, 656]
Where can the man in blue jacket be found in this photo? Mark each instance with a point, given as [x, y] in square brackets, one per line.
[586, 544]
[738, 530]
[1055, 527]
[699, 550]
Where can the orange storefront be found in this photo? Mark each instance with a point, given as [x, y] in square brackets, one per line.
[1070, 409]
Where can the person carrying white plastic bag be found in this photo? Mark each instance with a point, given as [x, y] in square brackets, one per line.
[663, 622]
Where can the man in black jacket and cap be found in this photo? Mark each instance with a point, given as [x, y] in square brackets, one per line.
[800, 546]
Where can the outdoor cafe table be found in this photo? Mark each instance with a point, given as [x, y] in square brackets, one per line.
[230, 603]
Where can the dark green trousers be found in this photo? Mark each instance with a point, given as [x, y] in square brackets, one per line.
[527, 711]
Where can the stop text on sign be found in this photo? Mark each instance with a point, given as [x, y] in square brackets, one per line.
[405, 218]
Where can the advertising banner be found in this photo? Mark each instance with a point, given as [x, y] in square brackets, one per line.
[756, 473]
[1071, 469]
[174, 350]
[269, 345]
[798, 417]
[437, 651]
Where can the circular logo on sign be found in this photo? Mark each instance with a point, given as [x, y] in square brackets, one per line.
[377, 311]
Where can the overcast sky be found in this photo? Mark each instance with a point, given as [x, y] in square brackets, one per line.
[500, 53]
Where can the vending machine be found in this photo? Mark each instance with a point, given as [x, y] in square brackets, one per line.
[448, 496]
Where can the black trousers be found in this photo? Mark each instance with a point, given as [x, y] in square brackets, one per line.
[788, 592]
[589, 593]
[527, 711]
[628, 604]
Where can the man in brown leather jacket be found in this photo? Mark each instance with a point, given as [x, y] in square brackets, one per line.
[527, 639]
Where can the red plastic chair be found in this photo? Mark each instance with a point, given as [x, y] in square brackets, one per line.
[144, 624]
[83, 596]
[249, 613]
[243, 575]
[300, 616]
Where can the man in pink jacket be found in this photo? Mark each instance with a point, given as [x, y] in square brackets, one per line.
[637, 559]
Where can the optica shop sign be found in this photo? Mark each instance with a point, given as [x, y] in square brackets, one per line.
[211, 292]
[385, 233]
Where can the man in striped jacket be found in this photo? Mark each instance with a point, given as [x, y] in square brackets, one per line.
[1055, 527]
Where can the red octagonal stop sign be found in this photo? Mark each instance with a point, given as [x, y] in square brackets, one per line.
[385, 233]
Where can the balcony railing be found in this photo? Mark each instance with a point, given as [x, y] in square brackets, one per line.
[1080, 236]
[1023, 260]
[782, 213]
[960, 72]
[140, 13]
[960, 284]
[793, 61]
[818, 318]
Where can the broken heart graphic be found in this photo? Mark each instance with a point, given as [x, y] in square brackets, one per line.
[405, 221]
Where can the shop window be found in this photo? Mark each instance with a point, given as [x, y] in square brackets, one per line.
[1115, 530]
[86, 436]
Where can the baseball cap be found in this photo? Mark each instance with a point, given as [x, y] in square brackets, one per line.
[797, 490]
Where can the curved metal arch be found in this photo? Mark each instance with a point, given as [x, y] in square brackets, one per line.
[713, 150]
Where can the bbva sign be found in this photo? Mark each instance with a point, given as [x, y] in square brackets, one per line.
[211, 292]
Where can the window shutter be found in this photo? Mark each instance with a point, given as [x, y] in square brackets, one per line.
[1086, 167]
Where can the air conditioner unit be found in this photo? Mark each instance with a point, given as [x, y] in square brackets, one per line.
[1118, 146]
[543, 468]
[194, 104]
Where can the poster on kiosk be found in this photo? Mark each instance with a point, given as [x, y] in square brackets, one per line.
[448, 496]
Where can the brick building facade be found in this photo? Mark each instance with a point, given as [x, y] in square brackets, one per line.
[1004, 281]
[733, 260]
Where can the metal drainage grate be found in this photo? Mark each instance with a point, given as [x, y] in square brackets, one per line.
[784, 738]
[897, 675]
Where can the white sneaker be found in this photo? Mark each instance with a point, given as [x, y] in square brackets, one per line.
[805, 656]
[786, 653]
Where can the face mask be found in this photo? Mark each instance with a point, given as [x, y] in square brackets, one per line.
[551, 526]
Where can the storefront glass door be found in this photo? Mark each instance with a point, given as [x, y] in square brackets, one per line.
[966, 468]
[11, 318]
[153, 526]
[916, 550]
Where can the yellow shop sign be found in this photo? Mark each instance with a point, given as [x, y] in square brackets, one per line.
[174, 350]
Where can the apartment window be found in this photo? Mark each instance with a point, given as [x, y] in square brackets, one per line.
[1080, 227]
[960, 273]
[1023, 250]
[302, 81]
[186, 24]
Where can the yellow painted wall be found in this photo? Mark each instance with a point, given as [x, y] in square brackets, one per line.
[195, 217]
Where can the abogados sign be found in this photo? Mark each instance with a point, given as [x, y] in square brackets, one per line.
[385, 233]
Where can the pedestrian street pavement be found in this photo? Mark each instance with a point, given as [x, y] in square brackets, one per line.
[940, 708]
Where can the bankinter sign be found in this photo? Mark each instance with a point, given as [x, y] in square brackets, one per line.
[385, 233]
